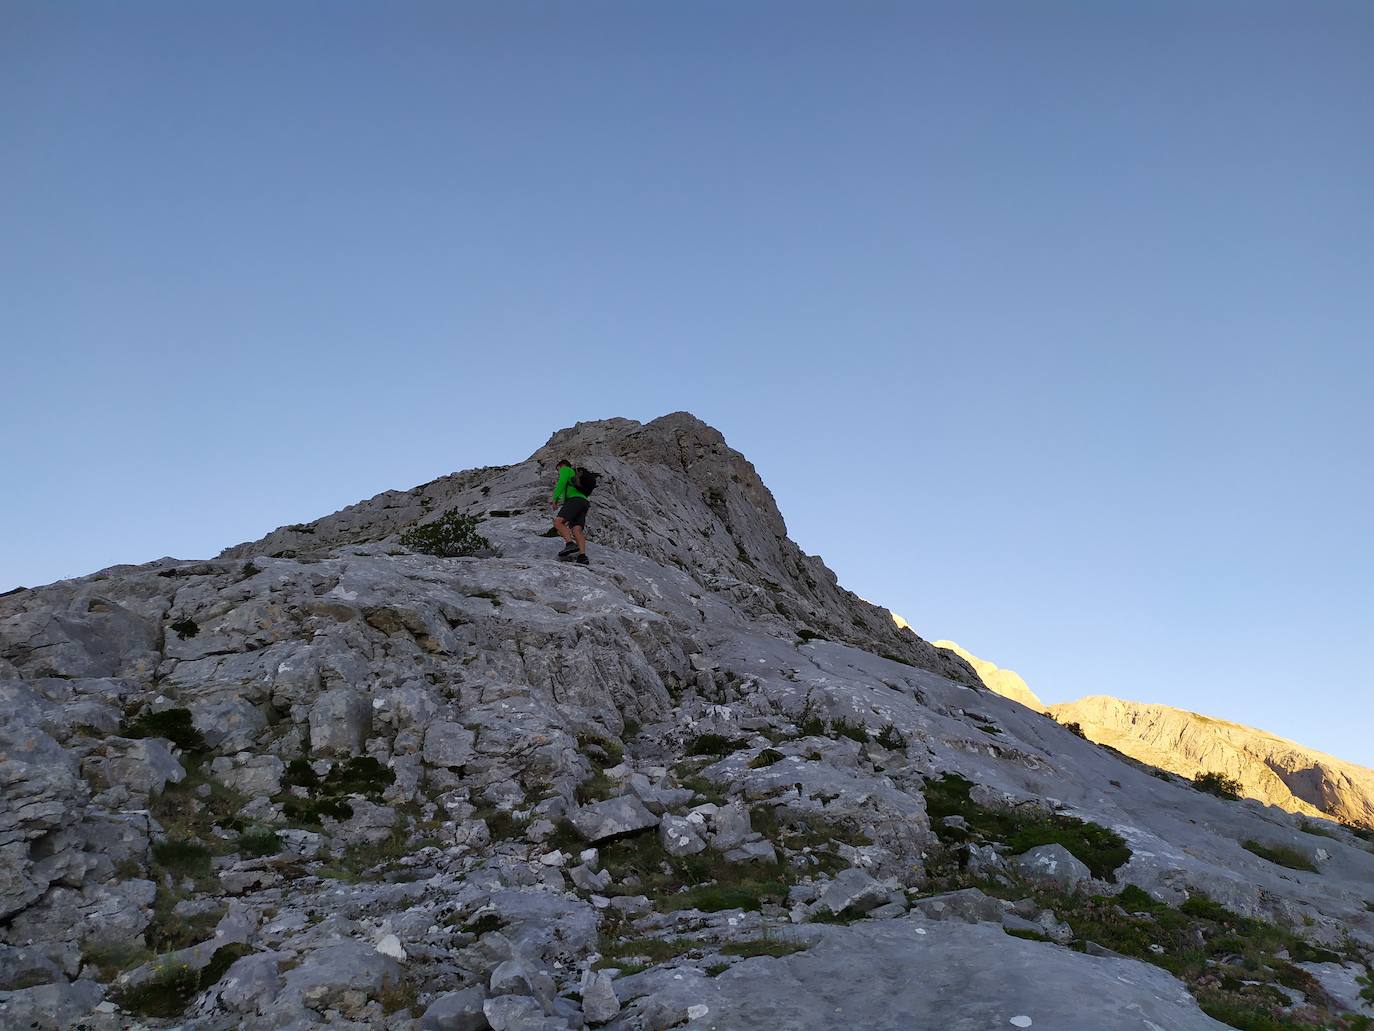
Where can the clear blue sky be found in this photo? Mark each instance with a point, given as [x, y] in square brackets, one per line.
[1048, 324]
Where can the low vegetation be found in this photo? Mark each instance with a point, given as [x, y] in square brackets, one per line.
[1281, 855]
[452, 535]
[1102, 850]
[172, 724]
[1218, 784]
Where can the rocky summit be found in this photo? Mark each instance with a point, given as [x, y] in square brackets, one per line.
[328, 779]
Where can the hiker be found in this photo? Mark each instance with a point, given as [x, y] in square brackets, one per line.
[571, 519]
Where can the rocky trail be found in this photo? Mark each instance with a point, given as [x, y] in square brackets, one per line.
[323, 780]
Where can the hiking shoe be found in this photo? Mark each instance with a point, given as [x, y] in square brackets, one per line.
[581, 560]
[568, 549]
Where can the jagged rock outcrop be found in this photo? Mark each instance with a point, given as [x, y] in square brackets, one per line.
[1005, 682]
[323, 780]
[1269, 768]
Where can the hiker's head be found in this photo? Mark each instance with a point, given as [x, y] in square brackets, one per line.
[562, 462]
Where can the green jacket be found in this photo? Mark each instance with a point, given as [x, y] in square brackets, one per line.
[565, 490]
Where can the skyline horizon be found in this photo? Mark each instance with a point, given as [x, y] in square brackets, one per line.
[1047, 697]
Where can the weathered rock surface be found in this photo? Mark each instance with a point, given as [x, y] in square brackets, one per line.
[1269, 768]
[341, 784]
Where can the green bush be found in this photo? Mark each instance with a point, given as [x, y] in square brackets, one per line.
[452, 535]
[892, 738]
[258, 842]
[767, 757]
[712, 744]
[183, 858]
[1217, 784]
[172, 724]
[852, 729]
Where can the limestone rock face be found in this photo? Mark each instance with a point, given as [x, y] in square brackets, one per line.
[1269, 768]
[1005, 682]
[349, 783]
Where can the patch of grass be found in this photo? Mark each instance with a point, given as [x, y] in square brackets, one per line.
[225, 957]
[596, 788]
[716, 969]
[767, 757]
[891, 738]
[308, 812]
[762, 947]
[259, 841]
[1102, 850]
[1281, 855]
[988, 728]
[166, 994]
[452, 535]
[494, 599]
[484, 924]
[605, 752]
[1218, 784]
[1247, 1015]
[172, 724]
[713, 744]
[400, 995]
[112, 958]
[360, 859]
[1304, 951]
[704, 881]
[1311, 827]
[805, 636]
[1075, 728]
[655, 950]
[183, 858]
[852, 729]
[1027, 934]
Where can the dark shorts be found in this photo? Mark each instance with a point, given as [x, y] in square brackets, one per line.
[574, 512]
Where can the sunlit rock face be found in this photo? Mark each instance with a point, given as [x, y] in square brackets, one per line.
[1269, 768]
[1006, 682]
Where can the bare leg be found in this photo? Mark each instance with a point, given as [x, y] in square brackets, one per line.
[580, 533]
[563, 530]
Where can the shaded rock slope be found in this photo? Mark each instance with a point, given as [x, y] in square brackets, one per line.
[1268, 767]
[322, 781]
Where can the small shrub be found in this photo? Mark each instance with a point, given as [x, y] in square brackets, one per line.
[258, 842]
[183, 858]
[762, 947]
[810, 723]
[716, 969]
[172, 724]
[892, 738]
[852, 729]
[452, 535]
[166, 994]
[1218, 784]
[300, 774]
[1026, 933]
[1075, 728]
[1281, 855]
[711, 744]
[185, 628]
[807, 636]
[767, 757]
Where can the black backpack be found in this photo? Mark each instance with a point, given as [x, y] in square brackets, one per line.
[585, 481]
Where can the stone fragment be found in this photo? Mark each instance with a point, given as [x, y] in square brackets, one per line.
[340, 721]
[456, 1011]
[730, 826]
[968, 905]
[1052, 864]
[679, 836]
[853, 889]
[599, 1001]
[611, 818]
[448, 745]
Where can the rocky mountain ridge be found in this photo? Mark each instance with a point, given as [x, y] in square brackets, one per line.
[1267, 767]
[325, 781]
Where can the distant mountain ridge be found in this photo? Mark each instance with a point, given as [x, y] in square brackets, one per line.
[1269, 768]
